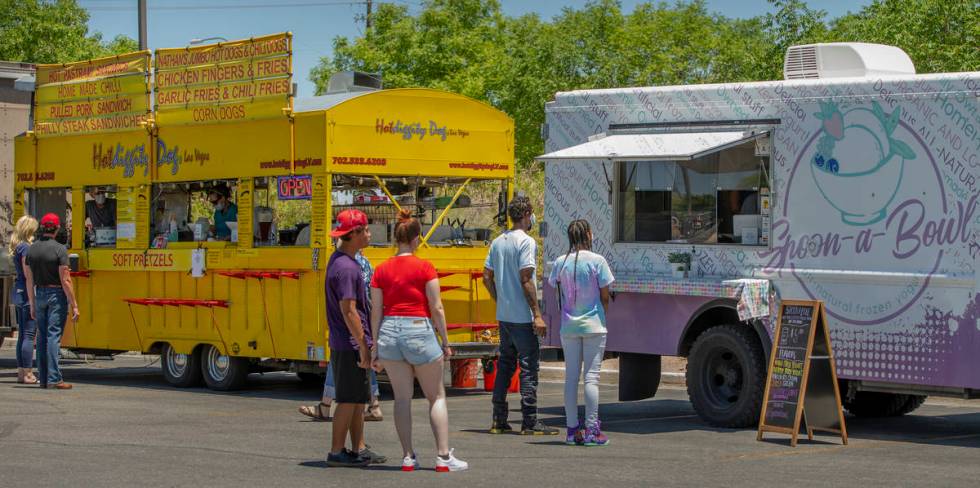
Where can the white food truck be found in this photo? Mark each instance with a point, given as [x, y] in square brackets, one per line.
[853, 181]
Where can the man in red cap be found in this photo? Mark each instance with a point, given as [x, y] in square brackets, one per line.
[50, 293]
[350, 340]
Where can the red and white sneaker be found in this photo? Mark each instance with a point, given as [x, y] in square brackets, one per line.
[410, 463]
[451, 464]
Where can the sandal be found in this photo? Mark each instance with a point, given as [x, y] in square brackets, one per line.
[373, 414]
[26, 378]
[316, 412]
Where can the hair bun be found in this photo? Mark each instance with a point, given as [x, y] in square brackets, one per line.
[404, 215]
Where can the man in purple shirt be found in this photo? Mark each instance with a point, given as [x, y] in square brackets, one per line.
[350, 340]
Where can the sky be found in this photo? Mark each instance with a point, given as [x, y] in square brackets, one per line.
[314, 23]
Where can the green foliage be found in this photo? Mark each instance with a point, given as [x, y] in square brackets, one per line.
[939, 35]
[52, 31]
[679, 258]
[518, 64]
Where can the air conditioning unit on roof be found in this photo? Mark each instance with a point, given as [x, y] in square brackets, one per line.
[845, 60]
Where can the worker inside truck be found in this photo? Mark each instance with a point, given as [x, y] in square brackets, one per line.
[225, 212]
[100, 216]
[711, 199]
[182, 212]
[282, 210]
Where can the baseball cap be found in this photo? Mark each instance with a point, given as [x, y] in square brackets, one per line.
[50, 221]
[347, 221]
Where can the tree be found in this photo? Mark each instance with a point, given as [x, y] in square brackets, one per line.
[792, 23]
[518, 64]
[52, 31]
[939, 35]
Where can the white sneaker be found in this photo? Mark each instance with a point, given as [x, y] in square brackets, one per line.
[451, 464]
[410, 463]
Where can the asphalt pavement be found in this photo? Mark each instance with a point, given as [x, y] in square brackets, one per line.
[123, 426]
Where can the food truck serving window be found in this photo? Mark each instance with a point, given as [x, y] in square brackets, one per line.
[282, 210]
[717, 197]
[194, 211]
[43, 201]
[100, 216]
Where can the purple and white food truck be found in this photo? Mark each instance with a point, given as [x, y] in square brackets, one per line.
[853, 181]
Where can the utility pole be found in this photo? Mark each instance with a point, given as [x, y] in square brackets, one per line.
[366, 16]
[142, 24]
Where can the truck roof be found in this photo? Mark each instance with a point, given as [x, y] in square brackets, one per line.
[568, 97]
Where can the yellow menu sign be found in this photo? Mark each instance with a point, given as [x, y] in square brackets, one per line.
[226, 82]
[99, 95]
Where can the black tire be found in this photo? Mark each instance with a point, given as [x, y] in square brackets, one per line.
[873, 404]
[220, 372]
[915, 401]
[726, 376]
[180, 370]
[311, 379]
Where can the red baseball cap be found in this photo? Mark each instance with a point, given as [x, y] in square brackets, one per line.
[347, 221]
[50, 221]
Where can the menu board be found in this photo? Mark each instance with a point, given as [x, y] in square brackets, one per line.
[320, 225]
[98, 95]
[802, 380]
[786, 373]
[245, 211]
[233, 81]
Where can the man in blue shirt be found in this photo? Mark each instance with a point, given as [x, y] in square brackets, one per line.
[509, 276]
[224, 211]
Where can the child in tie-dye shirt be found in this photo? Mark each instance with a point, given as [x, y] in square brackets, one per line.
[582, 279]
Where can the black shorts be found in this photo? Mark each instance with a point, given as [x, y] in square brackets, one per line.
[350, 381]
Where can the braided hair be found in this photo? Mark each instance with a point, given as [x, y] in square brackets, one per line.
[579, 238]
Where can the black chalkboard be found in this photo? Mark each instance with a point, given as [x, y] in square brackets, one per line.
[802, 380]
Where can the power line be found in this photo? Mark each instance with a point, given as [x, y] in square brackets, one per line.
[230, 7]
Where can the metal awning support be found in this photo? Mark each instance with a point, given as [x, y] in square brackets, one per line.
[384, 188]
[438, 221]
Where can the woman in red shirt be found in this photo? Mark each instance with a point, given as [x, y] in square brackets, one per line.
[405, 290]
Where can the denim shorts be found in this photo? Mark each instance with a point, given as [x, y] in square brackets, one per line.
[409, 339]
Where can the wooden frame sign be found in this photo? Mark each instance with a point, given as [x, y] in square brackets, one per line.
[802, 379]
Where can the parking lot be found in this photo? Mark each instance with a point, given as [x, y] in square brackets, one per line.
[123, 426]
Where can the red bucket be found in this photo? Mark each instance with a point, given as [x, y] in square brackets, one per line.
[464, 372]
[490, 377]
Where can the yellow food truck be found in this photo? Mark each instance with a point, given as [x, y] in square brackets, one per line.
[220, 293]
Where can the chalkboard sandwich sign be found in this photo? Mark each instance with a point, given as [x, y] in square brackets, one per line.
[802, 380]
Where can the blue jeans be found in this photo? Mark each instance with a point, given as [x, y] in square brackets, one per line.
[330, 392]
[51, 310]
[26, 329]
[518, 344]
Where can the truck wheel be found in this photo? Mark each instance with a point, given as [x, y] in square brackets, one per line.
[311, 379]
[915, 401]
[222, 373]
[180, 370]
[875, 404]
[639, 376]
[726, 376]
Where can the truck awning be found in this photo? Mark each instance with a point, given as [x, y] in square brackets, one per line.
[683, 146]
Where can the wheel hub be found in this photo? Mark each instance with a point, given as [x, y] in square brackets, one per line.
[217, 364]
[724, 378]
[176, 363]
